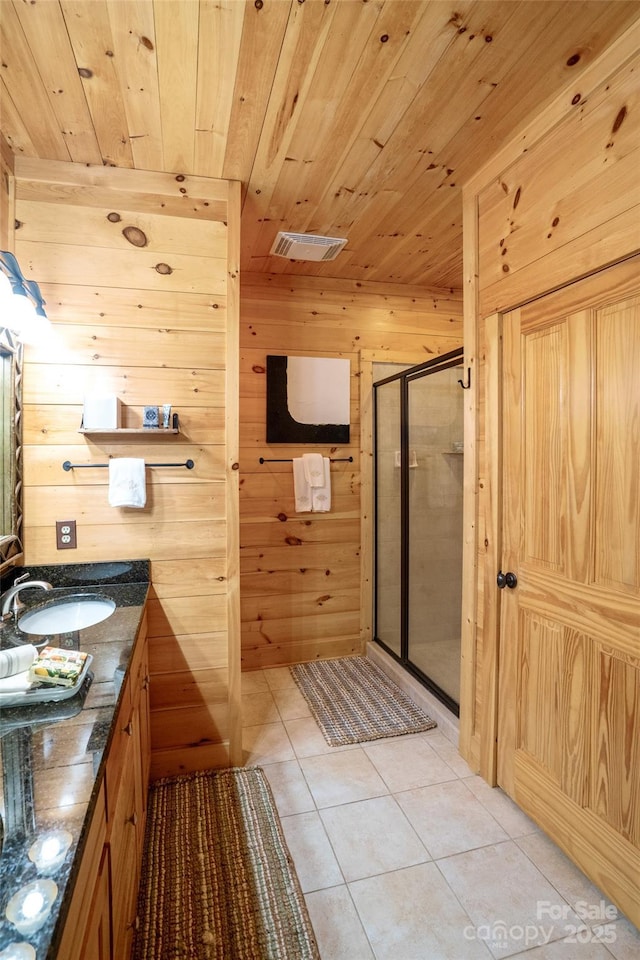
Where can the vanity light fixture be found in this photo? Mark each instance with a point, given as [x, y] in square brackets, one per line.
[21, 303]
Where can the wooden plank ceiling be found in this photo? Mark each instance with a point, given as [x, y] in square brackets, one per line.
[349, 118]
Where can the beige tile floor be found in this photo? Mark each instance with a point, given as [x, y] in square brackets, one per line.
[404, 854]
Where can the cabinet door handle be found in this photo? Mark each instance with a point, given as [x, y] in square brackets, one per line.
[146, 682]
[133, 819]
[129, 729]
[134, 924]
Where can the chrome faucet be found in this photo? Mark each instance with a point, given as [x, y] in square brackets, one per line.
[10, 599]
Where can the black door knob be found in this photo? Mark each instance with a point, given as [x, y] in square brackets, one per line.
[506, 580]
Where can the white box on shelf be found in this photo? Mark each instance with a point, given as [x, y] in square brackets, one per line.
[101, 413]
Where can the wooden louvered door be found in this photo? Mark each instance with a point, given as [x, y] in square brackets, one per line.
[569, 674]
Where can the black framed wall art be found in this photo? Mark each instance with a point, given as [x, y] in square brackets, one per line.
[308, 400]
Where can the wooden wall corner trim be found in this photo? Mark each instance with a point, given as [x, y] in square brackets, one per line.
[232, 421]
[6, 153]
[7, 196]
[491, 500]
[470, 502]
[366, 499]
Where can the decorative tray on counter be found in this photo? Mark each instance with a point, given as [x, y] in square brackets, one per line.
[22, 691]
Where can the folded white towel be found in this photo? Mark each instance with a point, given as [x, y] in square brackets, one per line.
[16, 659]
[301, 488]
[18, 683]
[127, 482]
[314, 469]
[321, 495]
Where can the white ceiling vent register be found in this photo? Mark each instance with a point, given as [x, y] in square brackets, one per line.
[306, 246]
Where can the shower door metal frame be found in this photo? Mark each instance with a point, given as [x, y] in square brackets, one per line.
[453, 359]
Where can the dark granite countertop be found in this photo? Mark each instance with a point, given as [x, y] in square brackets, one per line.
[53, 753]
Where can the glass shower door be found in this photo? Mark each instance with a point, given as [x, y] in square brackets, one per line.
[418, 432]
[435, 528]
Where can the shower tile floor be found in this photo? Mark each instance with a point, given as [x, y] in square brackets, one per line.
[404, 854]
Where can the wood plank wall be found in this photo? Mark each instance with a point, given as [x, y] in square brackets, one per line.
[301, 573]
[557, 203]
[539, 223]
[147, 320]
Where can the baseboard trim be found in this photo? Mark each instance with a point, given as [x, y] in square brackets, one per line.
[447, 722]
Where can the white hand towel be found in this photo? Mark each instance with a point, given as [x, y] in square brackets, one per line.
[18, 683]
[314, 469]
[321, 496]
[301, 488]
[16, 659]
[127, 482]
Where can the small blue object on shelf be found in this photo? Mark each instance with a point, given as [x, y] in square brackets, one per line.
[150, 417]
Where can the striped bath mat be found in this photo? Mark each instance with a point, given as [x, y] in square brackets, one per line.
[353, 700]
[218, 882]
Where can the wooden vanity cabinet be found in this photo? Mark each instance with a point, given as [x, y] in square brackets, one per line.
[126, 804]
[97, 938]
[124, 846]
[102, 916]
[87, 932]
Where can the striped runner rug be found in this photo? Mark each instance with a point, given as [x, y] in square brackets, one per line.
[353, 700]
[218, 882]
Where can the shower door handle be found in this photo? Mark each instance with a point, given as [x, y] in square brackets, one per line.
[506, 580]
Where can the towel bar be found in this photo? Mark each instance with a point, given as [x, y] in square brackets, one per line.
[67, 465]
[290, 460]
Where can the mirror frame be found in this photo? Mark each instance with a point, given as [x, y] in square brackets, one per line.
[11, 551]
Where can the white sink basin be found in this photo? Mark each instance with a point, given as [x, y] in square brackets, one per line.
[66, 614]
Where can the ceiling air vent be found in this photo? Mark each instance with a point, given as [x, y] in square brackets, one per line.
[306, 246]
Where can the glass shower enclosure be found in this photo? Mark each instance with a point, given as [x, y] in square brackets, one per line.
[418, 456]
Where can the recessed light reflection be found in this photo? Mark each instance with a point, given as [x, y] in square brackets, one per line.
[29, 908]
[18, 951]
[49, 850]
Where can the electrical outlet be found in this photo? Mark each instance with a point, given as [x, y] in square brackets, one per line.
[66, 535]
